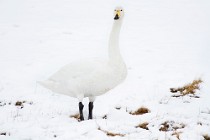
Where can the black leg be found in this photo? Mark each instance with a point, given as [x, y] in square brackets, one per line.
[90, 110]
[80, 111]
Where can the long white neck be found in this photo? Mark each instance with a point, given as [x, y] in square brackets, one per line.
[114, 51]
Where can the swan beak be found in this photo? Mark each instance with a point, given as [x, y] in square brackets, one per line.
[117, 16]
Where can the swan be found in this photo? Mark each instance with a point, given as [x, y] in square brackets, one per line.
[91, 78]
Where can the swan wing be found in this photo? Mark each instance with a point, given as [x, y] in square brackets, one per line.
[78, 70]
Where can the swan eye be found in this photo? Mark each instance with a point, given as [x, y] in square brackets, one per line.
[121, 10]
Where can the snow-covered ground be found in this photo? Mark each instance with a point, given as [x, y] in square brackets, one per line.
[165, 44]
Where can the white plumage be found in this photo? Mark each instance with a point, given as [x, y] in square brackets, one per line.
[91, 78]
[85, 79]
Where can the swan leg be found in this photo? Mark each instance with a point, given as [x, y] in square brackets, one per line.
[81, 111]
[90, 116]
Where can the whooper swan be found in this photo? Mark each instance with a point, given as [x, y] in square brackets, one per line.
[91, 78]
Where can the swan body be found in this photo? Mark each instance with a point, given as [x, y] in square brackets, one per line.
[90, 78]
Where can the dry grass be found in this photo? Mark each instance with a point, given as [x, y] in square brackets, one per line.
[111, 134]
[75, 116]
[171, 126]
[140, 111]
[176, 134]
[164, 127]
[19, 103]
[188, 89]
[143, 125]
[206, 137]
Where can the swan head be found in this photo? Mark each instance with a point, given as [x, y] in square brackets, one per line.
[118, 13]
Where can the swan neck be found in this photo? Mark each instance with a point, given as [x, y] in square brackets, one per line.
[114, 52]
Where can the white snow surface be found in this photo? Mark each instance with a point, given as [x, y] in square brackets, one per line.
[164, 44]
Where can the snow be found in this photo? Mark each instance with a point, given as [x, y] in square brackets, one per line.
[164, 44]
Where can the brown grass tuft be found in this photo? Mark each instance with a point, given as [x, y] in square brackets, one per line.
[19, 103]
[140, 111]
[171, 126]
[177, 134]
[189, 88]
[76, 116]
[143, 125]
[164, 127]
[206, 137]
[111, 134]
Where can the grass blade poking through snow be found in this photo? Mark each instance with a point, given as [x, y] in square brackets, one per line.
[190, 88]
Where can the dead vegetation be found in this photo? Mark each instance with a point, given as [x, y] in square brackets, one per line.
[176, 134]
[111, 134]
[143, 126]
[206, 137]
[140, 111]
[187, 89]
[164, 127]
[19, 103]
[75, 116]
[171, 126]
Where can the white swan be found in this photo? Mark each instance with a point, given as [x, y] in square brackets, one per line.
[94, 77]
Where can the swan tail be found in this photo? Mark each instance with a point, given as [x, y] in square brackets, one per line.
[47, 83]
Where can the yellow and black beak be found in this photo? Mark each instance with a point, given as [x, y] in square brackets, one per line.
[117, 15]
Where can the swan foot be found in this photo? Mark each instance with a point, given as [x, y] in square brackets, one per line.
[90, 111]
[81, 111]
